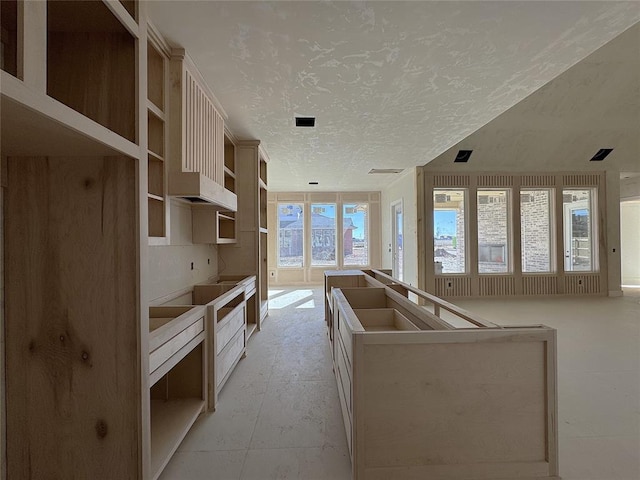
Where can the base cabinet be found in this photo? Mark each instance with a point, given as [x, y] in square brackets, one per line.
[422, 400]
[226, 325]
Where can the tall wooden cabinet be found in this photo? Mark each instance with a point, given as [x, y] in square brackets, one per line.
[248, 256]
[75, 206]
[102, 122]
[157, 115]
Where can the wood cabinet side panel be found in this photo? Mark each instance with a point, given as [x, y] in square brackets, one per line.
[72, 325]
[461, 403]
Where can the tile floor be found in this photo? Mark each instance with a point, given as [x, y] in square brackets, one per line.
[279, 415]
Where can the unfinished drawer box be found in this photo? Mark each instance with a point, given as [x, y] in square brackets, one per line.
[227, 326]
[383, 320]
[423, 399]
[177, 372]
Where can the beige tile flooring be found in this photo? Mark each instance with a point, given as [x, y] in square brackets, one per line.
[279, 415]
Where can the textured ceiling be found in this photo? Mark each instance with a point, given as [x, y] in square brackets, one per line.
[595, 104]
[392, 84]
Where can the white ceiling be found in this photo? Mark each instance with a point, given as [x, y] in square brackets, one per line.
[392, 84]
[594, 104]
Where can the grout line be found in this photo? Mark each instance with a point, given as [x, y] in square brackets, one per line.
[242, 471]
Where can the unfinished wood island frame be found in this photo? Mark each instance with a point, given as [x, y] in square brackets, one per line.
[424, 398]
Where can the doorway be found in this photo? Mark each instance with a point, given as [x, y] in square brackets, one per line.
[578, 231]
[630, 243]
[396, 239]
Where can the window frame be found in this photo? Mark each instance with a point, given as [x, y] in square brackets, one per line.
[279, 232]
[509, 262]
[466, 270]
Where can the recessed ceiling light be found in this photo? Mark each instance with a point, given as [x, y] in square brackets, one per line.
[601, 155]
[463, 156]
[385, 170]
[313, 183]
[305, 121]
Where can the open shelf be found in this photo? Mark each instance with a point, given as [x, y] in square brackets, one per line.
[156, 134]
[156, 216]
[251, 327]
[170, 422]
[226, 227]
[263, 172]
[155, 77]
[91, 59]
[9, 36]
[156, 176]
[229, 181]
[177, 362]
[156, 139]
[263, 208]
[229, 164]
[229, 154]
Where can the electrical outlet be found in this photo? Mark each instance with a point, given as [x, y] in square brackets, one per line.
[579, 281]
[449, 285]
[272, 274]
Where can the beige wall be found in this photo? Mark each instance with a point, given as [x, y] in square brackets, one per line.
[630, 188]
[315, 275]
[170, 265]
[612, 221]
[402, 188]
[630, 242]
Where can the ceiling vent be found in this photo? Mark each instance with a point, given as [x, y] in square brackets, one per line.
[463, 156]
[601, 155]
[305, 121]
[386, 170]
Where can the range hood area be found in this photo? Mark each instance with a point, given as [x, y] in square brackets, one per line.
[198, 152]
[197, 188]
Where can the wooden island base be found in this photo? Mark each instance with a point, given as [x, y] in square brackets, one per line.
[422, 399]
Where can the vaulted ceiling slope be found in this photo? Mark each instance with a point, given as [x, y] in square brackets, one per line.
[392, 84]
[593, 105]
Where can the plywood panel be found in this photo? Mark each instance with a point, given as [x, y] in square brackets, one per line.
[476, 415]
[92, 91]
[73, 349]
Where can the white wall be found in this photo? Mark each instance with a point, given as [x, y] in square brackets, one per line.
[170, 265]
[630, 242]
[630, 188]
[403, 188]
[613, 233]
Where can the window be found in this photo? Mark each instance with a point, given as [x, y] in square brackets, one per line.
[536, 229]
[493, 231]
[323, 234]
[290, 235]
[578, 225]
[449, 246]
[355, 234]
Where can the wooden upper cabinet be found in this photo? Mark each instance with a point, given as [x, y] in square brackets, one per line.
[196, 160]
